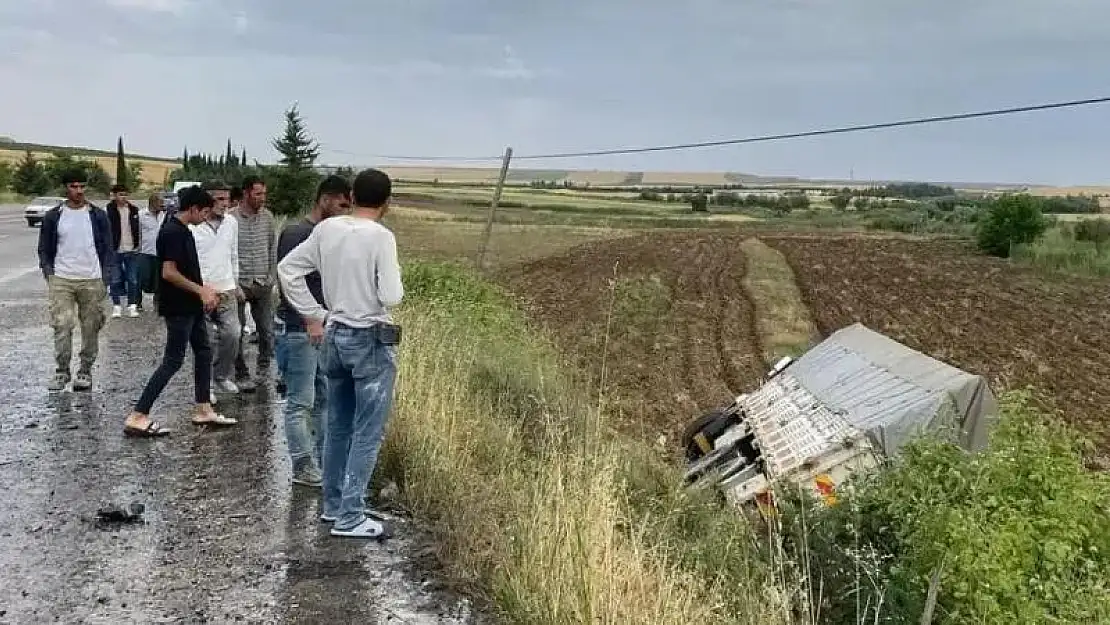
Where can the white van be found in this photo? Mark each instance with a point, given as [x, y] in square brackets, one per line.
[181, 184]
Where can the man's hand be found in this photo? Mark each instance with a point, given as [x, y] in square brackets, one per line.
[209, 298]
[315, 329]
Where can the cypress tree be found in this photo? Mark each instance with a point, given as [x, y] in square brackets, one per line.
[121, 165]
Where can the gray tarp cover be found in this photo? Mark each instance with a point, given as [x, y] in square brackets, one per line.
[892, 392]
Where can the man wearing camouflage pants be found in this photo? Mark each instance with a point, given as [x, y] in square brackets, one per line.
[76, 258]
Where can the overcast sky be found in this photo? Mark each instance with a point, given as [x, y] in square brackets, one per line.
[467, 77]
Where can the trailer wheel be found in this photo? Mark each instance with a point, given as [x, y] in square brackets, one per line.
[697, 437]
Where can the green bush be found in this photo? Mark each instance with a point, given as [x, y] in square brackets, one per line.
[896, 222]
[1011, 220]
[1067, 248]
[7, 176]
[1020, 532]
[452, 290]
[1096, 231]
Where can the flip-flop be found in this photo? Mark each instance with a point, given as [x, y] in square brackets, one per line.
[215, 419]
[152, 430]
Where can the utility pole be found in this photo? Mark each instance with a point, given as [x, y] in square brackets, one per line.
[493, 208]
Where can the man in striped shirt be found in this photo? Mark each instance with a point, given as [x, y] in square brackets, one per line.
[257, 276]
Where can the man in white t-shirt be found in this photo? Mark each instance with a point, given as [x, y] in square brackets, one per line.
[76, 258]
[217, 241]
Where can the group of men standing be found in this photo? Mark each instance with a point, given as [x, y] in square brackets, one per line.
[335, 275]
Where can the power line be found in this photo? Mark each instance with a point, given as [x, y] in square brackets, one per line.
[760, 138]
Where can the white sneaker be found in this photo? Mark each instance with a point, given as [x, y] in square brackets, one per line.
[369, 528]
[132, 310]
[227, 386]
[117, 312]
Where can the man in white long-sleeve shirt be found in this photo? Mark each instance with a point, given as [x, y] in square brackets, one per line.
[356, 258]
[217, 240]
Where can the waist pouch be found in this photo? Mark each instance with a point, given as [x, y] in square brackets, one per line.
[385, 333]
[388, 333]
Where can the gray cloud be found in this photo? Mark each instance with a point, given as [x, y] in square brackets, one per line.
[447, 77]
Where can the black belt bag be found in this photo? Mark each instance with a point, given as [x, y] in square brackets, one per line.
[388, 333]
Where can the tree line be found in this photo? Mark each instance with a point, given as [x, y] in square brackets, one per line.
[290, 184]
[32, 176]
[230, 167]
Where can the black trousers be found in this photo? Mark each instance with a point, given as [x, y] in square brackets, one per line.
[191, 331]
[149, 274]
[261, 299]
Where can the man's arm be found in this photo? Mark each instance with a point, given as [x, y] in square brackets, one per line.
[208, 297]
[271, 248]
[390, 289]
[291, 271]
[47, 232]
[171, 274]
[104, 247]
[232, 221]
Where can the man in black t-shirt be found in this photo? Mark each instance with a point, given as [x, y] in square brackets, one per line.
[183, 302]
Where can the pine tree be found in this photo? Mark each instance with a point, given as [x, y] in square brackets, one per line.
[121, 165]
[229, 157]
[30, 176]
[293, 181]
[244, 158]
[298, 151]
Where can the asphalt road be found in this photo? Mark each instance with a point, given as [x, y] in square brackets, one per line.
[224, 537]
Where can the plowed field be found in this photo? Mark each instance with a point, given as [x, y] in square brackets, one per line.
[989, 317]
[681, 334]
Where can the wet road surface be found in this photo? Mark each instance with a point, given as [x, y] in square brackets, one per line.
[224, 537]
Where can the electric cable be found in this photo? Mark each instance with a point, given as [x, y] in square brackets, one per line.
[997, 112]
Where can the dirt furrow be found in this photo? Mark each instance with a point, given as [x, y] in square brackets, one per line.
[665, 364]
[990, 317]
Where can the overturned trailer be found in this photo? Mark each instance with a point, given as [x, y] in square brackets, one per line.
[842, 407]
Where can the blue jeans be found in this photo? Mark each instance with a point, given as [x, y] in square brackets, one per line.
[306, 396]
[125, 278]
[361, 371]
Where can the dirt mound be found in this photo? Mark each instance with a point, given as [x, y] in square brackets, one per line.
[680, 326]
[987, 316]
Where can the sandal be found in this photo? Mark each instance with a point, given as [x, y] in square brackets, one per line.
[214, 418]
[152, 430]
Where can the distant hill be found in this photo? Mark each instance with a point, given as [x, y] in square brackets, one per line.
[488, 175]
[7, 143]
[156, 169]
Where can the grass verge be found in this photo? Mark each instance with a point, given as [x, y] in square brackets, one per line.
[538, 505]
[1060, 251]
[783, 321]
